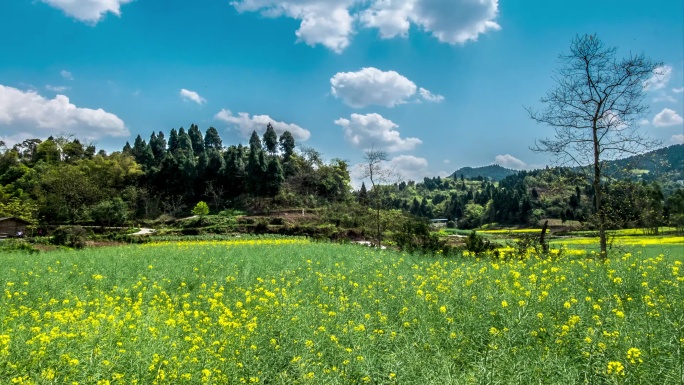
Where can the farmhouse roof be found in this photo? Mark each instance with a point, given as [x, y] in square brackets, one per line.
[14, 219]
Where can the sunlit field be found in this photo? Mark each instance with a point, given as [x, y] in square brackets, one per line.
[293, 312]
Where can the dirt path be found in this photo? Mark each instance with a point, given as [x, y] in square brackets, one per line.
[144, 231]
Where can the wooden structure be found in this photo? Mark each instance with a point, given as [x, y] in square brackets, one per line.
[12, 227]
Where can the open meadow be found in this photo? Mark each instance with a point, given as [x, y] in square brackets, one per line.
[288, 311]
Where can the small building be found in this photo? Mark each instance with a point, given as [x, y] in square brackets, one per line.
[12, 227]
[439, 222]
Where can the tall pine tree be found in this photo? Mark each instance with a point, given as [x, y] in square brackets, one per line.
[212, 139]
[196, 138]
[270, 139]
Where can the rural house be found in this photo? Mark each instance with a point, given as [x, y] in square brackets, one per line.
[12, 227]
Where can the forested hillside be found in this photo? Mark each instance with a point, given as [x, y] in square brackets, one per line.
[61, 180]
[65, 181]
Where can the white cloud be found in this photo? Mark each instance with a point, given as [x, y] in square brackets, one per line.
[612, 120]
[450, 21]
[66, 75]
[429, 96]
[678, 90]
[509, 161]
[88, 11]
[371, 86]
[372, 130]
[389, 17]
[410, 167]
[677, 139]
[403, 167]
[446, 161]
[663, 97]
[667, 117]
[331, 23]
[328, 23]
[29, 112]
[188, 95]
[56, 88]
[246, 124]
[661, 76]
[16, 137]
[644, 122]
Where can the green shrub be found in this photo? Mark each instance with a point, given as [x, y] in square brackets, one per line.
[478, 244]
[18, 245]
[415, 235]
[71, 236]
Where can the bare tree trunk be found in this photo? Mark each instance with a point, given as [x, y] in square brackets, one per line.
[598, 194]
[544, 245]
[377, 219]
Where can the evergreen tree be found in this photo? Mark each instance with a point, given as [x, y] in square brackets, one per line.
[274, 177]
[423, 210]
[196, 138]
[161, 140]
[363, 195]
[173, 141]
[255, 172]
[166, 178]
[143, 154]
[187, 173]
[158, 146]
[287, 145]
[127, 150]
[212, 166]
[254, 141]
[525, 210]
[234, 173]
[535, 194]
[212, 140]
[185, 143]
[415, 207]
[201, 170]
[270, 139]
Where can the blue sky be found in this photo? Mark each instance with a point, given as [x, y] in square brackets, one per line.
[439, 84]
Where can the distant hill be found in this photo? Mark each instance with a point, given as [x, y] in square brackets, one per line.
[493, 172]
[663, 165]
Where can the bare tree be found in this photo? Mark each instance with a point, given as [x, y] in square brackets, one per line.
[173, 205]
[375, 168]
[595, 108]
[215, 193]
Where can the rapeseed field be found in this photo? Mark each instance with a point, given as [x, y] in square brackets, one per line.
[269, 311]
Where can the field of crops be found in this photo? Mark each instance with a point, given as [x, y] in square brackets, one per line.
[293, 312]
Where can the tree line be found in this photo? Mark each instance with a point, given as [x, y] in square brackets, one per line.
[63, 180]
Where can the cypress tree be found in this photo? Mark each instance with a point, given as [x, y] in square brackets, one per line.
[185, 143]
[274, 177]
[287, 145]
[363, 195]
[212, 139]
[173, 141]
[254, 141]
[270, 139]
[196, 138]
